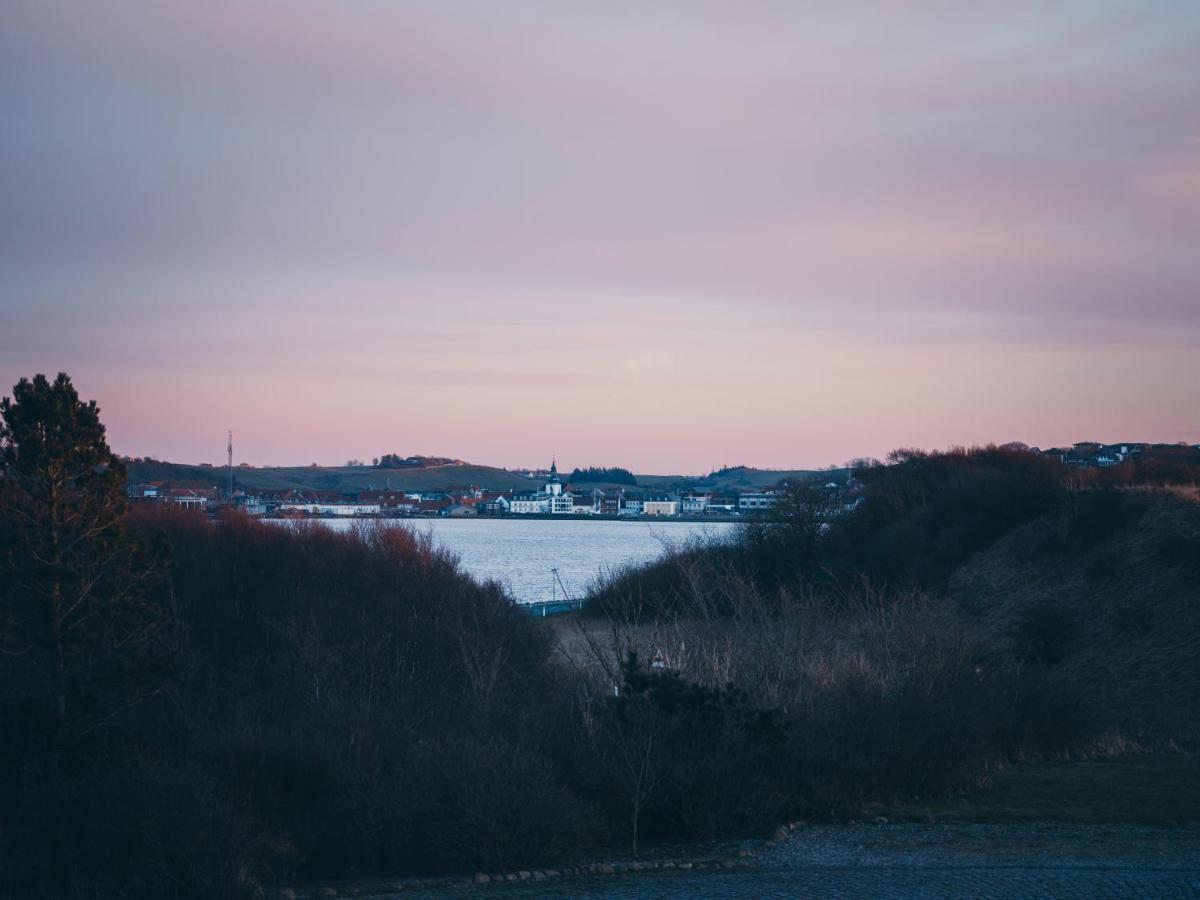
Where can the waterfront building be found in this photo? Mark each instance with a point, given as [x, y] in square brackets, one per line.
[610, 501]
[632, 504]
[755, 502]
[660, 505]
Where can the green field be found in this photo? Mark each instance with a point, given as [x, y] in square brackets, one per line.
[1139, 790]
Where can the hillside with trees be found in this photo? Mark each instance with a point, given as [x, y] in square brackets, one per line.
[342, 479]
[395, 461]
[614, 475]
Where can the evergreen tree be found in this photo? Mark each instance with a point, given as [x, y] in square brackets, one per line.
[77, 626]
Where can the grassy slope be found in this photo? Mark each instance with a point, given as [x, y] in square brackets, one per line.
[333, 478]
[1145, 790]
[1135, 637]
[742, 478]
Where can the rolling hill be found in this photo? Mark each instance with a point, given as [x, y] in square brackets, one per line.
[350, 479]
[343, 479]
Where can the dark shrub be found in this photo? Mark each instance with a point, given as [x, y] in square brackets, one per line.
[1044, 634]
[1105, 567]
[1182, 549]
[1134, 618]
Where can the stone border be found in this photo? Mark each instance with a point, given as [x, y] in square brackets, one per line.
[744, 858]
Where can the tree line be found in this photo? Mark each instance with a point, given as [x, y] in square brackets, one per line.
[605, 474]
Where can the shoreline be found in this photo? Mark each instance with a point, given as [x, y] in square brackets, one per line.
[530, 517]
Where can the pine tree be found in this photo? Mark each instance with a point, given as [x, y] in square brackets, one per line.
[77, 625]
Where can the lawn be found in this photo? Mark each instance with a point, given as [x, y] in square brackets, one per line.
[1145, 790]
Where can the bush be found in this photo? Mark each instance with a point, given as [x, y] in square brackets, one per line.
[1043, 634]
[334, 697]
[1134, 618]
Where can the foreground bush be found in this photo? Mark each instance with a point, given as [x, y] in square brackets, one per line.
[337, 704]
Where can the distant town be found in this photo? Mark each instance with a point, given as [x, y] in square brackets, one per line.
[574, 495]
[554, 497]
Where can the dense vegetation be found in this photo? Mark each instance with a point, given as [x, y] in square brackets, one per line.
[960, 611]
[605, 475]
[395, 461]
[197, 708]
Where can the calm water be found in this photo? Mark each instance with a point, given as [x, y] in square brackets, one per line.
[520, 553]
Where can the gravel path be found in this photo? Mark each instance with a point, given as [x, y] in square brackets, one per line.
[895, 861]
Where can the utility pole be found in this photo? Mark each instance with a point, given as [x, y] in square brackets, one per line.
[229, 452]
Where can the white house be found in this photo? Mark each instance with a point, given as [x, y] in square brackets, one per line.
[660, 505]
[528, 503]
[585, 503]
[755, 502]
[631, 505]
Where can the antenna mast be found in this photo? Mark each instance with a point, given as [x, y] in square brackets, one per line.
[229, 452]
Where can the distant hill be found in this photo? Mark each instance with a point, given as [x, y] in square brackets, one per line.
[743, 477]
[350, 479]
[343, 479]
[606, 476]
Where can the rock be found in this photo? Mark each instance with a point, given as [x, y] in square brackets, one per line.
[481, 878]
[684, 865]
[524, 875]
[511, 876]
[553, 873]
[881, 820]
[745, 854]
[285, 893]
[605, 869]
[668, 865]
[539, 875]
[327, 892]
[781, 834]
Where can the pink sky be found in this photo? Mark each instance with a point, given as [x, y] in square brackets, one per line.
[669, 237]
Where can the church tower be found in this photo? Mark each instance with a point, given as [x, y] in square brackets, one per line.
[553, 484]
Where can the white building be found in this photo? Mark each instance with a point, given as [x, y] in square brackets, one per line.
[631, 505]
[755, 502]
[341, 510]
[660, 505]
[550, 500]
[585, 504]
[529, 503]
[187, 500]
[694, 504]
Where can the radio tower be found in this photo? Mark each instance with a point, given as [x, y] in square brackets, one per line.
[229, 452]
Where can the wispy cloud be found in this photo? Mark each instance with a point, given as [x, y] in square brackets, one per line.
[685, 233]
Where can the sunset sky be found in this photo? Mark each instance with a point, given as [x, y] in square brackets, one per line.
[668, 236]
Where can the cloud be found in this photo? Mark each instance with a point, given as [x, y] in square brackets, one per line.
[694, 202]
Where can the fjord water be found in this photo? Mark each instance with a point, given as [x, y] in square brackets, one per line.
[520, 553]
